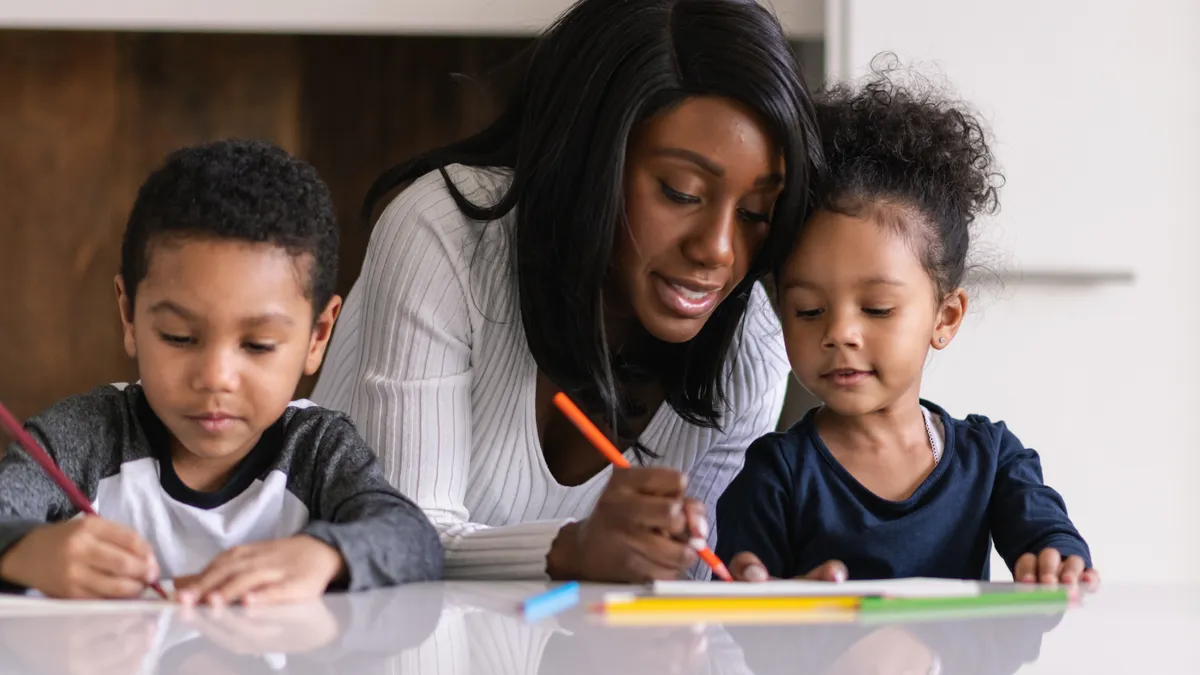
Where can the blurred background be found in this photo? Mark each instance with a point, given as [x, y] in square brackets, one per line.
[1086, 341]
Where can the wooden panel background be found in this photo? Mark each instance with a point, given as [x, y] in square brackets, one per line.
[85, 116]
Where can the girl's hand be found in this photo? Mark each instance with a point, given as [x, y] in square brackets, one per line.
[747, 567]
[636, 533]
[269, 572]
[1048, 567]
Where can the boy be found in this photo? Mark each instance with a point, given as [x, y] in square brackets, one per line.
[203, 472]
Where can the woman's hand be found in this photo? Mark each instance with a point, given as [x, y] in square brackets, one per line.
[637, 532]
[664, 650]
[747, 567]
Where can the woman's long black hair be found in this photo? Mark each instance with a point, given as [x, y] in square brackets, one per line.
[586, 83]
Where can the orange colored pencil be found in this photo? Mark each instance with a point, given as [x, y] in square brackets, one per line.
[610, 452]
[589, 431]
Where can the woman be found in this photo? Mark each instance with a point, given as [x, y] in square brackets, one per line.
[604, 238]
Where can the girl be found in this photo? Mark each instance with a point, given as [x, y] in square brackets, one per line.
[603, 237]
[878, 482]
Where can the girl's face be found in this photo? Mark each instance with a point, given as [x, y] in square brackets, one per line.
[701, 180]
[860, 313]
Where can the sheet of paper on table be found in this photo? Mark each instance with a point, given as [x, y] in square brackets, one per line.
[33, 603]
[891, 588]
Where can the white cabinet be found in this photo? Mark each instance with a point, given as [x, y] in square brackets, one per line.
[1094, 105]
[803, 18]
[301, 16]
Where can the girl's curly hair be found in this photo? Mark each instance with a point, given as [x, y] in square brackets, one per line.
[907, 156]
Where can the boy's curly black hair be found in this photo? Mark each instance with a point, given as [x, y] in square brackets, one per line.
[244, 190]
[907, 156]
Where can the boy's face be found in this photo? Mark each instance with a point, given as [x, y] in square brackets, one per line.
[222, 332]
[860, 313]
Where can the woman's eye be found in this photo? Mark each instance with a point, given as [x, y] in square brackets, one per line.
[677, 196]
[754, 216]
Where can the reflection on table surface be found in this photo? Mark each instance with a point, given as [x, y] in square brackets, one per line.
[476, 627]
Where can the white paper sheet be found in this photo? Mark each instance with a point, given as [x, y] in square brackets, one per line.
[894, 588]
[34, 603]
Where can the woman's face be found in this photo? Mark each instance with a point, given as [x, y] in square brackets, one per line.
[701, 180]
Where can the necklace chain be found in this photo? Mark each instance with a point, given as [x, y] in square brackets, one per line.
[933, 444]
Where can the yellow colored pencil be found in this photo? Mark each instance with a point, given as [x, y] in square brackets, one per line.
[726, 605]
[728, 618]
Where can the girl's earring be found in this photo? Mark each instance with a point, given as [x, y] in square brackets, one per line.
[942, 340]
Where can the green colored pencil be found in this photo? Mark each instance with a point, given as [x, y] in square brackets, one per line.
[1033, 598]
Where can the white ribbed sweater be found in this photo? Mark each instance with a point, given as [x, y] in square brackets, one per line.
[430, 360]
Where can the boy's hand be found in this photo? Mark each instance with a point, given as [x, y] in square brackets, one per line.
[85, 557]
[283, 629]
[269, 572]
[84, 643]
[1048, 567]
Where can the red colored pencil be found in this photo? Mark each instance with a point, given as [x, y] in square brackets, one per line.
[610, 452]
[37, 454]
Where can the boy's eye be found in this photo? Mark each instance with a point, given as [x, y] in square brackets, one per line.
[877, 311]
[176, 340]
[677, 196]
[259, 347]
[808, 313]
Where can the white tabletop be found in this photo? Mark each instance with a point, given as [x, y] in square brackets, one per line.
[475, 627]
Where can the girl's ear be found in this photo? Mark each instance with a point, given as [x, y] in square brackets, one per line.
[950, 317]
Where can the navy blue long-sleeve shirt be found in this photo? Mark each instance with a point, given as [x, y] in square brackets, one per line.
[796, 507]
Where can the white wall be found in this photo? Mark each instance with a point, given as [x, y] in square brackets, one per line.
[1096, 109]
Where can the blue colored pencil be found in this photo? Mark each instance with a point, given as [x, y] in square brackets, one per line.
[551, 602]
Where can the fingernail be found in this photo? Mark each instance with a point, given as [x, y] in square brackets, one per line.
[187, 597]
[676, 509]
[756, 573]
[839, 575]
[701, 525]
[216, 600]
